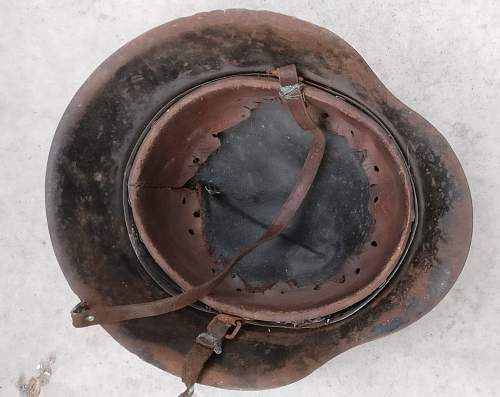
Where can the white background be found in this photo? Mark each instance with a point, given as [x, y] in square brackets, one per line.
[442, 58]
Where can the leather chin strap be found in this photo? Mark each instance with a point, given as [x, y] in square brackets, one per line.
[207, 343]
[84, 315]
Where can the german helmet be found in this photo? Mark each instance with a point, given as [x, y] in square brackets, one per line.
[236, 198]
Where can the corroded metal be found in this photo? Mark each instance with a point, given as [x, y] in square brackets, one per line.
[118, 106]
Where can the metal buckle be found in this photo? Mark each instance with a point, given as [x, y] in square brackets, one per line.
[214, 342]
[292, 91]
[237, 326]
[210, 341]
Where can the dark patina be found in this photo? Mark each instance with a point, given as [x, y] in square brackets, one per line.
[107, 260]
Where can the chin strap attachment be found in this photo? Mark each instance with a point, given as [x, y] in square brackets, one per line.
[221, 327]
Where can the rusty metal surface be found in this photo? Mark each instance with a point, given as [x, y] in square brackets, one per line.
[167, 206]
[93, 143]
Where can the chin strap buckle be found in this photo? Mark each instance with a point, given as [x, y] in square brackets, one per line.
[292, 91]
[222, 326]
[210, 341]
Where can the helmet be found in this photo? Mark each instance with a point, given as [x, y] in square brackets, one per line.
[236, 198]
